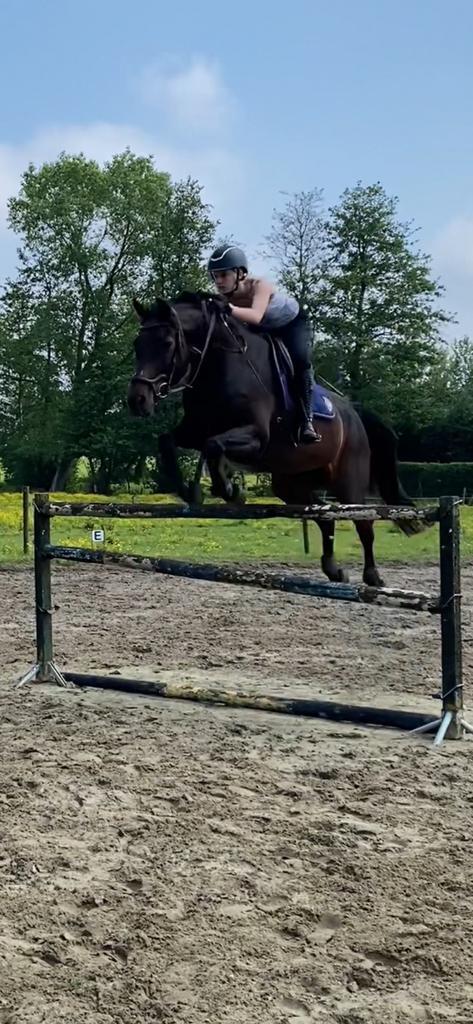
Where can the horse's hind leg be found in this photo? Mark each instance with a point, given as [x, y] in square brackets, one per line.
[365, 531]
[351, 488]
[302, 490]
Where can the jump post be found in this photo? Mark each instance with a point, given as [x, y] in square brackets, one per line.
[26, 519]
[448, 723]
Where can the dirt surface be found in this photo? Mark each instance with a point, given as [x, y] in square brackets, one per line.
[162, 861]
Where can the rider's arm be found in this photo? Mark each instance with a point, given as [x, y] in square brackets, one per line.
[254, 314]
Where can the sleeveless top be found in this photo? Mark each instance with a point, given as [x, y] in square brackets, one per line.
[281, 310]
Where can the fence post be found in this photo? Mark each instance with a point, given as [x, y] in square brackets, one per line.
[26, 518]
[42, 575]
[305, 536]
[450, 600]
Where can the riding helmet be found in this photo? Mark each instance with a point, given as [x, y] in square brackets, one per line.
[228, 257]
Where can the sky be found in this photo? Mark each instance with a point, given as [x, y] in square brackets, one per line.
[256, 101]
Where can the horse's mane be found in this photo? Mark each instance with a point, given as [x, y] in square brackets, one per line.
[192, 298]
[219, 302]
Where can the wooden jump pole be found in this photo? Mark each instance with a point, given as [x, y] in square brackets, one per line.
[42, 575]
[451, 723]
[315, 513]
[305, 536]
[334, 711]
[291, 583]
[450, 604]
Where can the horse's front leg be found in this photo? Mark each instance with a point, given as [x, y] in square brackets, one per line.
[168, 445]
[242, 445]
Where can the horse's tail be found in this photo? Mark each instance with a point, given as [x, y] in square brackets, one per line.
[384, 467]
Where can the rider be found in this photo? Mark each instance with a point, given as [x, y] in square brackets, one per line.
[256, 302]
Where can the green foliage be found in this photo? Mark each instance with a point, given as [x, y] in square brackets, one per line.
[377, 308]
[91, 238]
[296, 246]
[420, 479]
[431, 480]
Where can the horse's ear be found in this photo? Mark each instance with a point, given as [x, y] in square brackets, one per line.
[140, 310]
[162, 309]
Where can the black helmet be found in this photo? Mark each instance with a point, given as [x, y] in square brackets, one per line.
[228, 257]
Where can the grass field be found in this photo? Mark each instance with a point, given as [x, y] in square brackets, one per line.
[218, 541]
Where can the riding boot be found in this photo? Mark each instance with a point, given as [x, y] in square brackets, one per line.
[308, 434]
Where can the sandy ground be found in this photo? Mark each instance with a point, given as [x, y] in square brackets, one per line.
[166, 862]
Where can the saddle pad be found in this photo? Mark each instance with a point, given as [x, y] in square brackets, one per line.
[322, 405]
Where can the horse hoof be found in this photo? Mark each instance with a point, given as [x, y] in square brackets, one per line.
[372, 578]
[238, 495]
[220, 490]
[194, 495]
[334, 573]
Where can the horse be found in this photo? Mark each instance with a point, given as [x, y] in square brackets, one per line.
[235, 416]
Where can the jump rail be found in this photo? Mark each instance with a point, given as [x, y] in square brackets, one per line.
[288, 582]
[449, 723]
[316, 513]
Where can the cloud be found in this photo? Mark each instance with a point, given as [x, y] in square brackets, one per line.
[193, 98]
[197, 109]
[221, 171]
[452, 255]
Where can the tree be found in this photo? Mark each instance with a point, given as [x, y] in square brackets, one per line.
[295, 245]
[445, 433]
[461, 368]
[456, 420]
[91, 237]
[377, 308]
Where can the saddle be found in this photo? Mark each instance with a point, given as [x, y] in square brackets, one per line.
[283, 368]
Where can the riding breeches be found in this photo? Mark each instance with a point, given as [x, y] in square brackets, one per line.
[297, 337]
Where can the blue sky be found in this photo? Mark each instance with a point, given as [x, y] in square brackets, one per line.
[253, 103]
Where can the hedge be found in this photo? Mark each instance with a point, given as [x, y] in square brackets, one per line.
[431, 479]
[420, 479]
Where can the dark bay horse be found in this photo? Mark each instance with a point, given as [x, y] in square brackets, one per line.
[233, 417]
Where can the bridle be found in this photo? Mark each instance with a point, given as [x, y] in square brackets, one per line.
[163, 384]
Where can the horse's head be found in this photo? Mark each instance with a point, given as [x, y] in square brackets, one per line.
[161, 356]
[171, 346]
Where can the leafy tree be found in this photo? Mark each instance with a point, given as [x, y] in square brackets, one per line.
[91, 237]
[377, 309]
[295, 245]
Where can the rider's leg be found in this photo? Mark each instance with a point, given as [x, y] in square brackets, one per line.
[297, 336]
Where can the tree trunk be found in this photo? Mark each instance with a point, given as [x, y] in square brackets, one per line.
[63, 472]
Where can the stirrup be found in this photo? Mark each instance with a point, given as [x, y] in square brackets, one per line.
[312, 436]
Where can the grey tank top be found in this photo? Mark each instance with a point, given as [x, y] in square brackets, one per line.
[281, 310]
